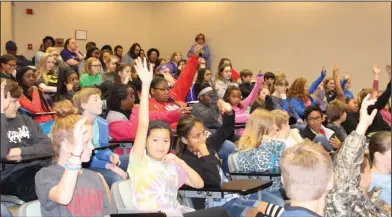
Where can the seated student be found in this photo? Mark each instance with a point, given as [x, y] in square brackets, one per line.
[110, 165]
[164, 71]
[32, 99]
[349, 196]
[269, 80]
[223, 79]
[234, 74]
[307, 176]
[260, 101]
[246, 85]
[336, 114]
[67, 85]
[315, 130]
[203, 77]
[21, 60]
[65, 188]
[92, 75]
[386, 111]
[20, 135]
[46, 75]
[299, 95]
[380, 164]
[206, 109]
[346, 85]
[260, 147]
[7, 66]
[71, 54]
[200, 153]
[128, 77]
[91, 52]
[278, 99]
[165, 99]
[48, 41]
[110, 70]
[123, 114]
[233, 97]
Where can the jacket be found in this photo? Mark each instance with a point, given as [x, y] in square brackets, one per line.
[274, 102]
[346, 198]
[246, 88]
[122, 128]
[221, 87]
[299, 104]
[34, 106]
[100, 138]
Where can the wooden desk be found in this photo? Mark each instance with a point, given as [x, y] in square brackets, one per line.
[24, 158]
[242, 187]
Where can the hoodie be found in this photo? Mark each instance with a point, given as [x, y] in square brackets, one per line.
[24, 133]
[122, 128]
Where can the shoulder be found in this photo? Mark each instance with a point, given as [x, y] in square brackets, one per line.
[49, 172]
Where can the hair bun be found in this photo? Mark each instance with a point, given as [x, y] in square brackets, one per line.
[64, 108]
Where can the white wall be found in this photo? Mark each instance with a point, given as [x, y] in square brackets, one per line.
[297, 38]
[5, 24]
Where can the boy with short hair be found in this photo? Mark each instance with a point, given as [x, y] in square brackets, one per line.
[269, 80]
[337, 114]
[307, 176]
[247, 85]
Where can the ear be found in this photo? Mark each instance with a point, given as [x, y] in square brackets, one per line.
[152, 91]
[184, 140]
[84, 106]
[377, 155]
[330, 182]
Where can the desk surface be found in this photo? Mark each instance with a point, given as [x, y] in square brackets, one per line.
[266, 173]
[112, 144]
[244, 187]
[25, 158]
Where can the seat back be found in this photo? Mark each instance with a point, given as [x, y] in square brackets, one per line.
[121, 196]
[30, 209]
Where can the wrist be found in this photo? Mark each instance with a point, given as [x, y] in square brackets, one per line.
[361, 129]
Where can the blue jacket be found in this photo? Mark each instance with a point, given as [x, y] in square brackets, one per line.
[347, 93]
[100, 138]
[299, 104]
[206, 54]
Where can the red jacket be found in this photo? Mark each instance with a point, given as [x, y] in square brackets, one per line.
[126, 130]
[34, 106]
[234, 75]
[179, 90]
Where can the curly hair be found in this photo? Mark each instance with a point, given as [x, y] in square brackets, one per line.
[297, 89]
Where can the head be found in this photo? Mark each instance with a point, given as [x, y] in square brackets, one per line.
[380, 151]
[111, 63]
[26, 77]
[281, 85]
[92, 66]
[280, 74]
[352, 105]
[233, 95]
[329, 84]
[120, 98]
[88, 101]
[152, 55]
[176, 57]
[203, 76]
[93, 52]
[142, 54]
[200, 39]
[364, 92]
[348, 84]
[263, 93]
[246, 75]
[11, 47]
[314, 117]
[159, 138]
[54, 52]
[205, 95]
[260, 123]
[104, 55]
[70, 44]
[67, 76]
[123, 70]
[336, 111]
[298, 89]
[159, 89]
[134, 50]
[269, 78]
[281, 119]
[224, 73]
[161, 61]
[90, 44]
[8, 64]
[307, 171]
[181, 65]
[15, 92]
[46, 64]
[48, 41]
[191, 134]
[224, 60]
[118, 51]
[62, 132]
[108, 48]
[202, 63]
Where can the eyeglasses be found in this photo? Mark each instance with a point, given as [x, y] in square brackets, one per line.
[11, 65]
[55, 55]
[314, 119]
[200, 38]
[99, 66]
[162, 89]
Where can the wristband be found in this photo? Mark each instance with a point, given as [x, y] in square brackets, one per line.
[72, 167]
[260, 75]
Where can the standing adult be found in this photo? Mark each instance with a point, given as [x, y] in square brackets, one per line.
[200, 39]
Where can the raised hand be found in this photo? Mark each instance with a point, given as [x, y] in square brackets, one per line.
[388, 69]
[5, 97]
[197, 50]
[336, 71]
[346, 76]
[79, 130]
[225, 108]
[365, 120]
[184, 111]
[323, 71]
[115, 159]
[143, 72]
[376, 69]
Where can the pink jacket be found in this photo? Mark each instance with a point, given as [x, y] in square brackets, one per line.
[120, 128]
[240, 115]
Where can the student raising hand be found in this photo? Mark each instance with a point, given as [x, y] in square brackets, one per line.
[366, 119]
